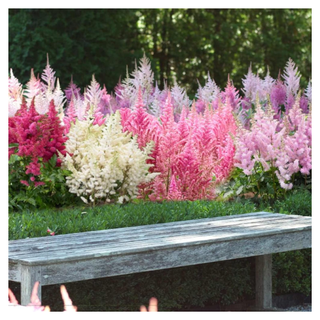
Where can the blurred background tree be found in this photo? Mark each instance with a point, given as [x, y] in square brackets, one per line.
[182, 44]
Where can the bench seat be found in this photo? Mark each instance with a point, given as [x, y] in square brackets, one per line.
[98, 254]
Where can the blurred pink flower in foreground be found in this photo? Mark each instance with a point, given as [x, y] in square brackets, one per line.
[35, 303]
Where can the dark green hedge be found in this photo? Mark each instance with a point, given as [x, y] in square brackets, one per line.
[221, 283]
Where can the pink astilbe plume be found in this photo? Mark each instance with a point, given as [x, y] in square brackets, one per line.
[174, 192]
[280, 145]
[187, 150]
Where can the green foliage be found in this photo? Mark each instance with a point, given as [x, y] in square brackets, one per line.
[83, 218]
[292, 272]
[263, 185]
[53, 193]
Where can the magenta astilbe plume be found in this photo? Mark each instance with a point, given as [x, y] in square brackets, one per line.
[72, 90]
[231, 94]
[278, 95]
[38, 136]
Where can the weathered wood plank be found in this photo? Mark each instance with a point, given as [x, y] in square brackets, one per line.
[105, 266]
[167, 227]
[46, 243]
[106, 248]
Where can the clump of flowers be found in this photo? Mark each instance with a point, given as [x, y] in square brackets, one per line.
[273, 151]
[35, 138]
[191, 155]
[106, 163]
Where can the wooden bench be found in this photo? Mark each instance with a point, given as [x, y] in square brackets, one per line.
[98, 254]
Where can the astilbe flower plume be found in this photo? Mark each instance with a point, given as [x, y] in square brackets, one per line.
[106, 163]
[284, 146]
[38, 137]
[189, 153]
[15, 93]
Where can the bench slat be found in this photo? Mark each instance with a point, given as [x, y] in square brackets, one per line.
[117, 235]
[153, 238]
[141, 231]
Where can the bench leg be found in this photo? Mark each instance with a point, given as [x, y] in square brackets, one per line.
[29, 275]
[264, 282]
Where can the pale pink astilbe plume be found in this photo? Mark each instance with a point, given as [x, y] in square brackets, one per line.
[206, 95]
[291, 78]
[285, 147]
[93, 93]
[142, 77]
[259, 144]
[308, 92]
[14, 87]
[157, 103]
[179, 100]
[267, 83]
[298, 145]
[174, 192]
[33, 87]
[48, 76]
[252, 85]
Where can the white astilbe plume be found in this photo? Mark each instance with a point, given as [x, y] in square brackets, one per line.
[209, 92]
[179, 98]
[93, 93]
[14, 94]
[308, 92]
[267, 84]
[249, 84]
[142, 78]
[155, 108]
[291, 77]
[48, 77]
[106, 163]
